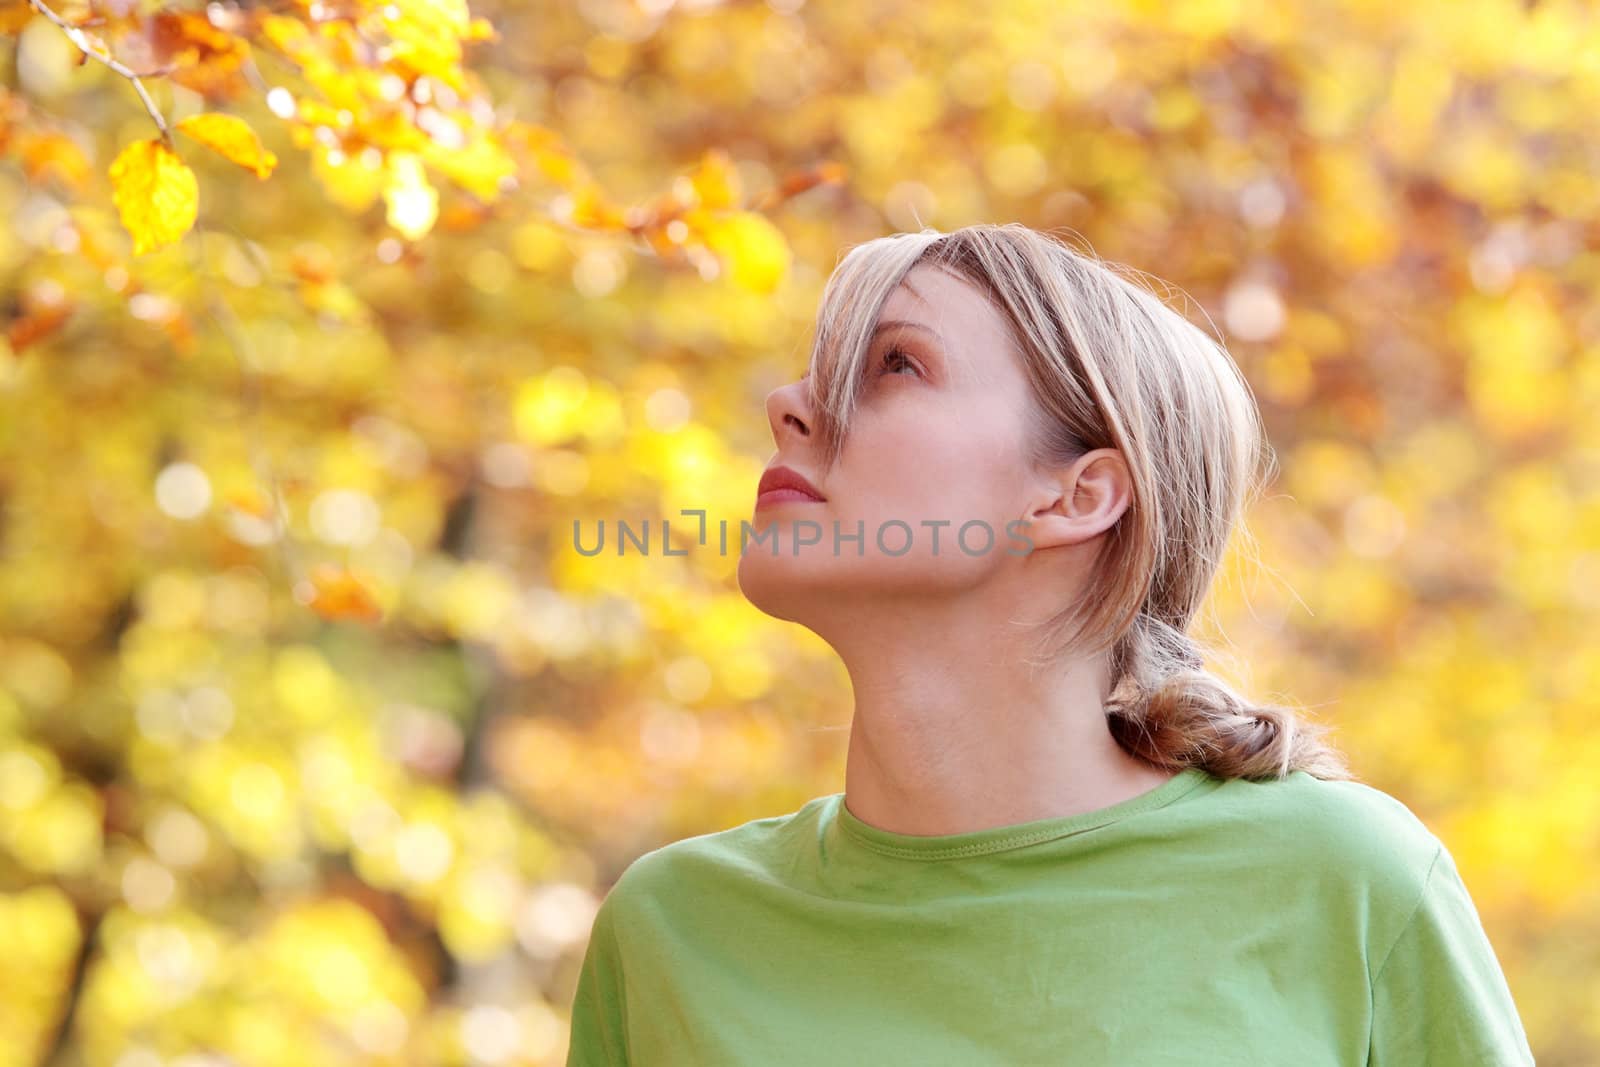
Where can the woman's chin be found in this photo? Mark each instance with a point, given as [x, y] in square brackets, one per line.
[781, 585]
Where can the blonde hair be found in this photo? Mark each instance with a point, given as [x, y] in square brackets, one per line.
[1110, 365]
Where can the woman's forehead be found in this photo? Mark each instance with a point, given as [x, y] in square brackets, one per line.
[970, 333]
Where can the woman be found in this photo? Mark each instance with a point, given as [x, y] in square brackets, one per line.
[1061, 840]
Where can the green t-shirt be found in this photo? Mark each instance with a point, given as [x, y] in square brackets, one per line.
[1208, 921]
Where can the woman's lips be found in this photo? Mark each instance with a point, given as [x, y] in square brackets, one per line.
[785, 495]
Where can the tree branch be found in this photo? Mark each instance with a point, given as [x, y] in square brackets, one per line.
[79, 38]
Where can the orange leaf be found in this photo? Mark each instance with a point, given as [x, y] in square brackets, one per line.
[155, 192]
[200, 50]
[50, 152]
[181, 332]
[592, 210]
[340, 595]
[252, 501]
[233, 138]
[830, 172]
[37, 325]
[14, 15]
[549, 153]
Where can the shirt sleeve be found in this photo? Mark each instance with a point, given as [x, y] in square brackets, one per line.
[1440, 997]
[598, 1036]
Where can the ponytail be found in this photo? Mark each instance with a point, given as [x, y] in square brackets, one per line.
[1169, 710]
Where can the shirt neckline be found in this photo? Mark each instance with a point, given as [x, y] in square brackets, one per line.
[1015, 835]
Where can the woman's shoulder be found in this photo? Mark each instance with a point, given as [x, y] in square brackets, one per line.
[1347, 828]
[756, 848]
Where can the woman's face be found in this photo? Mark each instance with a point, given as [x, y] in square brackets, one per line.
[936, 442]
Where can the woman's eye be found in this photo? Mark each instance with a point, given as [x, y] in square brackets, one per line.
[895, 360]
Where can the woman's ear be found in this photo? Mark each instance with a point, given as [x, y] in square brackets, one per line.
[1080, 501]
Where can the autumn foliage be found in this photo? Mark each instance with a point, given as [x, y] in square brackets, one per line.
[325, 321]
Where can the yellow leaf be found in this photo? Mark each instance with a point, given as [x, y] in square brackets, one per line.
[285, 33]
[715, 181]
[755, 251]
[479, 166]
[155, 192]
[233, 138]
[425, 36]
[413, 204]
[436, 18]
[353, 182]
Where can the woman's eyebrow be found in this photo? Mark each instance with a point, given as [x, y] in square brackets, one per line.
[890, 323]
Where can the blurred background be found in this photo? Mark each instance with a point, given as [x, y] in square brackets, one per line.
[319, 742]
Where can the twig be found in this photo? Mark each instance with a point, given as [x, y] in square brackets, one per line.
[227, 322]
[77, 37]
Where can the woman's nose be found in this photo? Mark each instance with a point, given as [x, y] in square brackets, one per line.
[786, 411]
